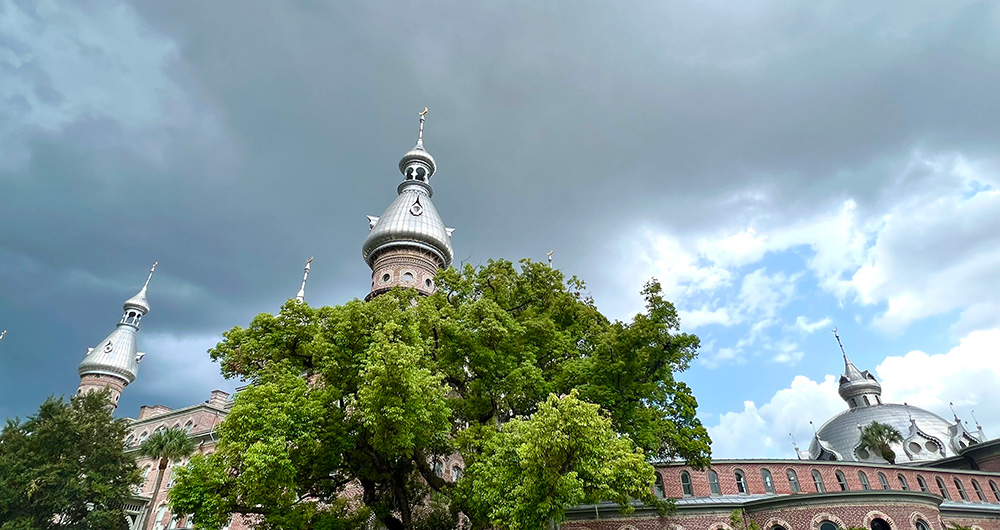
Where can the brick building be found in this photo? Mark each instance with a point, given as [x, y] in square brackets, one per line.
[944, 474]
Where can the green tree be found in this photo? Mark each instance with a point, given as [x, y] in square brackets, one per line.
[65, 467]
[358, 401]
[163, 446]
[877, 437]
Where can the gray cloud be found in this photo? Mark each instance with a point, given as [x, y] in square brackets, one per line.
[232, 140]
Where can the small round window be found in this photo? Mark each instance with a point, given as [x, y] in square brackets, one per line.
[827, 525]
[386, 277]
[408, 277]
[428, 283]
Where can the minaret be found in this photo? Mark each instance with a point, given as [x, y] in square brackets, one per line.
[301, 295]
[113, 363]
[858, 388]
[408, 243]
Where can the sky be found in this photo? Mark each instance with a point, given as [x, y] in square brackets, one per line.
[782, 168]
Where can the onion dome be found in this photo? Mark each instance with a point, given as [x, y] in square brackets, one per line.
[117, 355]
[411, 220]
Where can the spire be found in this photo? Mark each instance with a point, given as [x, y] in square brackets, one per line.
[953, 413]
[139, 300]
[850, 371]
[301, 296]
[2, 334]
[114, 362]
[417, 165]
[549, 254]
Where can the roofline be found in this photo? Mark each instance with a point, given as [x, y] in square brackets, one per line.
[176, 412]
[786, 462]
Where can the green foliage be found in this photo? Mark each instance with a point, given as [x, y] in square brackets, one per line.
[739, 521]
[566, 454]
[877, 436]
[357, 401]
[65, 467]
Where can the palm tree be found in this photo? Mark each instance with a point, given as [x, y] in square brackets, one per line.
[877, 437]
[165, 445]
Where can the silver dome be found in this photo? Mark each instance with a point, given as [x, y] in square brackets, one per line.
[116, 355]
[927, 437]
[411, 220]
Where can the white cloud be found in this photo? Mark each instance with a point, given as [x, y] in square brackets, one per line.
[694, 319]
[968, 375]
[804, 326]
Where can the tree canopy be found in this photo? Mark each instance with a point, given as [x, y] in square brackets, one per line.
[546, 401]
[65, 467]
[163, 446]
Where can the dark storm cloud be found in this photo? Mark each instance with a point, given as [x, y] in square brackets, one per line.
[277, 126]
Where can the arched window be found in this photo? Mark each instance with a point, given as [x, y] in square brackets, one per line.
[407, 277]
[713, 482]
[793, 481]
[923, 484]
[961, 490]
[686, 484]
[879, 524]
[944, 490]
[818, 481]
[160, 514]
[996, 491]
[868, 403]
[922, 525]
[438, 468]
[188, 426]
[658, 485]
[842, 481]
[979, 490]
[173, 521]
[765, 475]
[143, 436]
[884, 481]
[130, 440]
[865, 485]
[827, 525]
[902, 482]
[741, 482]
[456, 473]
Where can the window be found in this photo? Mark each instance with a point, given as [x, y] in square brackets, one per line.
[765, 475]
[842, 481]
[922, 525]
[827, 525]
[658, 485]
[879, 524]
[864, 481]
[188, 426]
[867, 403]
[923, 484]
[438, 468]
[884, 481]
[996, 491]
[979, 490]
[173, 521]
[902, 482]
[944, 490]
[686, 484]
[160, 514]
[778, 527]
[408, 277]
[386, 278]
[142, 437]
[713, 482]
[130, 440]
[793, 481]
[961, 490]
[741, 482]
[818, 481]
[456, 473]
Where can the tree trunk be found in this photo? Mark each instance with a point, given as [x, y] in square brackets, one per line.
[156, 491]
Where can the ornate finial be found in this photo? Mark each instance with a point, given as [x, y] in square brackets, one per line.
[795, 446]
[971, 412]
[814, 428]
[952, 406]
[420, 135]
[151, 271]
[549, 254]
[841, 344]
[908, 415]
[4, 332]
[301, 296]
